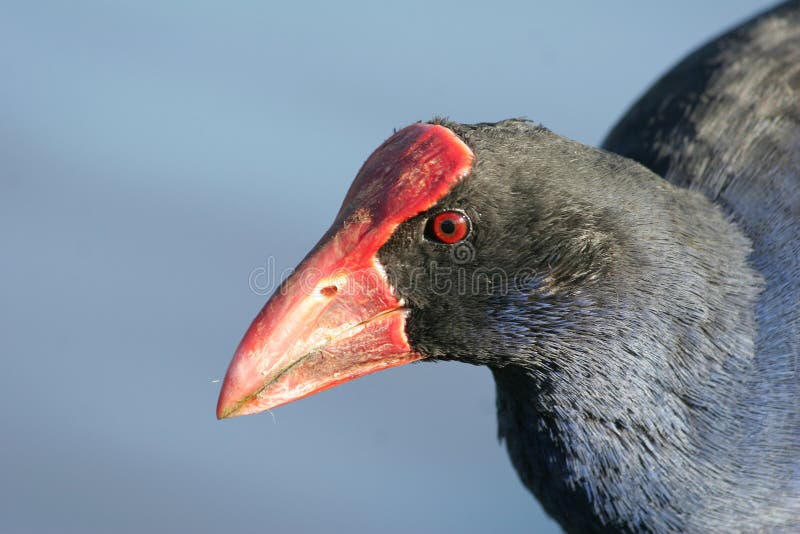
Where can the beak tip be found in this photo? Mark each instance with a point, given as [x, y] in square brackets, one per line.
[228, 411]
[242, 381]
[234, 402]
[223, 412]
[236, 409]
[228, 403]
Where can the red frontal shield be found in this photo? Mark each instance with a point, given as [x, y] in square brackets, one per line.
[337, 318]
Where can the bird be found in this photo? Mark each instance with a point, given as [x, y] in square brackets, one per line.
[638, 304]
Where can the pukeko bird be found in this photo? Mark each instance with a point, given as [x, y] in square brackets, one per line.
[638, 305]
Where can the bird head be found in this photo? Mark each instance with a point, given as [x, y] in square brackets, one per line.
[497, 244]
[452, 242]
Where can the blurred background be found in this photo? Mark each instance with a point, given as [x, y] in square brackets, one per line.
[154, 155]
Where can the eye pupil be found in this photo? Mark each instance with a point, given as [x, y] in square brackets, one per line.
[448, 227]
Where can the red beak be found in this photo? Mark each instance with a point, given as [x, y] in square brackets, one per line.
[337, 317]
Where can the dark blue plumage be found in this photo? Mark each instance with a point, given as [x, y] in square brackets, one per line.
[644, 334]
[726, 122]
[638, 305]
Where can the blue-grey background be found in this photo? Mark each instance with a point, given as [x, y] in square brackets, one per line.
[153, 154]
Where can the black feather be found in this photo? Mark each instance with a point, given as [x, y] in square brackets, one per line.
[644, 333]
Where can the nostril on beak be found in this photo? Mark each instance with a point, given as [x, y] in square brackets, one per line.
[329, 291]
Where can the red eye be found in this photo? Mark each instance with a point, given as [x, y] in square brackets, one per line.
[448, 227]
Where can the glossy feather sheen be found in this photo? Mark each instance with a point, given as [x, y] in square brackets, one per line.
[733, 133]
[641, 320]
[625, 312]
[644, 333]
